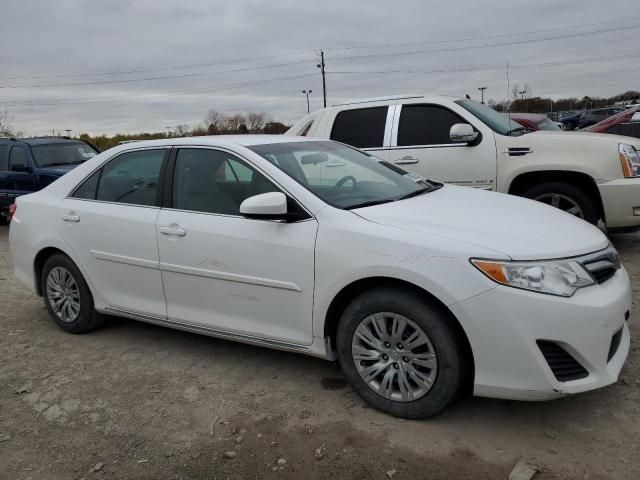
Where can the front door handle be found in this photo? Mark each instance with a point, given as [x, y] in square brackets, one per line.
[406, 160]
[71, 218]
[173, 231]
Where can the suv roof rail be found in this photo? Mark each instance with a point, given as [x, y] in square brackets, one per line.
[380, 99]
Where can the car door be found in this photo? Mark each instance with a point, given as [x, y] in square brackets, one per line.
[21, 178]
[227, 273]
[109, 222]
[421, 144]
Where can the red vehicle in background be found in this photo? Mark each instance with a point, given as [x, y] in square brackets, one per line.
[624, 123]
[535, 121]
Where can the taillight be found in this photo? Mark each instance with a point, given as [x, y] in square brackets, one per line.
[12, 211]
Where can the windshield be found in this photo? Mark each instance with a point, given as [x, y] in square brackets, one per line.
[343, 176]
[60, 154]
[548, 124]
[496, 121]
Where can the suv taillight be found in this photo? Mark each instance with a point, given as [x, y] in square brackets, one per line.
[12, 211]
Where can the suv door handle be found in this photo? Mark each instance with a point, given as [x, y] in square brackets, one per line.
[172, 231]
[71, 218]
[406, 160]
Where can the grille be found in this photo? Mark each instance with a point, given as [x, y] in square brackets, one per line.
[562, 364]
[602, 265]
[615, 344]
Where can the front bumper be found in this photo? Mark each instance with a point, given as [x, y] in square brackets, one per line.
[619, 197]
[504, 324]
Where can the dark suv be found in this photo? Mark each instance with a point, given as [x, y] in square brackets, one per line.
[30, 164]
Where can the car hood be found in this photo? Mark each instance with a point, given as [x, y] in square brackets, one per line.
[56, 171]
[519, 228]
[581, 136]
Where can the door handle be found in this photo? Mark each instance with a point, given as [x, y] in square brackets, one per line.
[406, 160]
[172, 231]
[71, 218]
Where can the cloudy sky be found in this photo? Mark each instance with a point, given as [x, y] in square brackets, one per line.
[106, 66]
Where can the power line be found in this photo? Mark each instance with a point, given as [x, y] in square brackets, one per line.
[486, 45]
[166, 77]
[75, 101]
[157, 69]
[484, 37]
[479, 68]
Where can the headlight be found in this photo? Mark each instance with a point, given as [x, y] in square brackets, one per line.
[554, 277]
[629, 159]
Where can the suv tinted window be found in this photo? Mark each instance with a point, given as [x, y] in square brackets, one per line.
[214, 181]
[4, 158]
[131, 178]
[362, 128]
[426, 125]
[18, 160]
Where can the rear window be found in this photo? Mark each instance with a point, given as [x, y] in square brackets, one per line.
[361, 128]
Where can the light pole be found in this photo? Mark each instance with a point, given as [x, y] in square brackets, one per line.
[482, 89]
[307, 92]
[68, 130]
[522, 92]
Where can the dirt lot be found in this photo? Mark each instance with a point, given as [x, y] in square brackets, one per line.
[138, 401]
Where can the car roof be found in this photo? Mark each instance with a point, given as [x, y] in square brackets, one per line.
[529, 116]
[218, 140]
[411, 97]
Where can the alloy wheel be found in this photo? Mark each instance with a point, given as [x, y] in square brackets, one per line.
[394, 357]
[562, 202]
[63, 294]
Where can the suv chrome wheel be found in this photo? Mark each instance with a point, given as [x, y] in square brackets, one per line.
[63, 294]
[394, 357]
[562, 202]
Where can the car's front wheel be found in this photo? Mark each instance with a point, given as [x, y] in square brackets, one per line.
[67, 296]
[400, 353]
[567, 197]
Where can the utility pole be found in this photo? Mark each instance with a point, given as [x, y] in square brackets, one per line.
[482, 89]
[68, 130]
[522, 92]
[321, 66]
[307, 92]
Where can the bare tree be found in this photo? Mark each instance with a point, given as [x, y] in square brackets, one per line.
[6, 128]
[182, 130]
[233, 122]
[528, 91]
[214, 121]
[515, 91]
[256, 121]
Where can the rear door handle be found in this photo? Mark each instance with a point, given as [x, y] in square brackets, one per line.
[406, 160]
[172, 231]
[71, 218]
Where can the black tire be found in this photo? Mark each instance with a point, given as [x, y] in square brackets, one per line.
[576, 194]
[3, 220]
[87, 319]
[436, 324]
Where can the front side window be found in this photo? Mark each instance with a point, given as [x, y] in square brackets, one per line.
[342, 176]
[361, 127]
[18, 160]
[57, 154]
[213, 181]
[131, 178]
[426, 125]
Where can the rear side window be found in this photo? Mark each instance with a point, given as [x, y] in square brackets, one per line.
[361, 128]
[4, 158]
[18, 160]
[129, 178]
[426, 125]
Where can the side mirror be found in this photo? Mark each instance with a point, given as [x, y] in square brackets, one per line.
[266, 206]
[463, 133]
[21, 168]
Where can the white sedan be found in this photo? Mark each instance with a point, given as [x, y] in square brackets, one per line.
[421, 291]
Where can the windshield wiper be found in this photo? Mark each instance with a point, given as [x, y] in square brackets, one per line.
[415, 193]
[370, 203]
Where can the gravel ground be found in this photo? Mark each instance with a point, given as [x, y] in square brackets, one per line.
[137, 401]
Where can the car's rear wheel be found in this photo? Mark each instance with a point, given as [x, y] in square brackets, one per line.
[67, 296]
[566, 197]
[400, 353]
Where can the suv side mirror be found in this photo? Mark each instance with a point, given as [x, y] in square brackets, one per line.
[21, 168]
[463, 133]
[266, 206]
